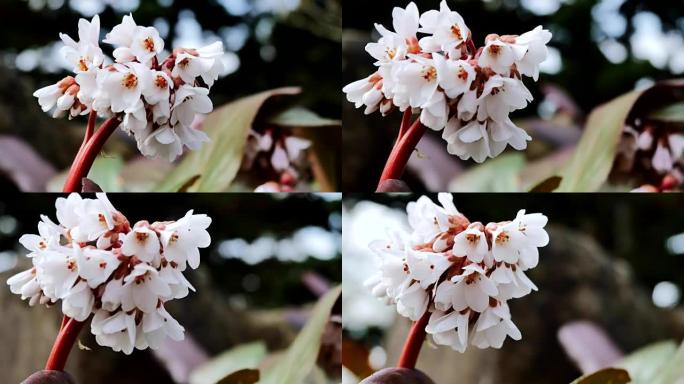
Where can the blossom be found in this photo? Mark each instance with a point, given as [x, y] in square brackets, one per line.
[449, 82]
[182, 239]
[155, 100]
[458, 273]
[98, 265]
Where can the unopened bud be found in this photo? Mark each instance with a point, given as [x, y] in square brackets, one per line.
[398, 376]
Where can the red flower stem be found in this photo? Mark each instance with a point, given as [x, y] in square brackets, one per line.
[86, 156]
[65, 320]
[414, 341]
[90, 128]
[63, 344]
[396, 162]
[405, 123]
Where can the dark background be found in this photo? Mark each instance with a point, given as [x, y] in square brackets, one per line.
[587, 77]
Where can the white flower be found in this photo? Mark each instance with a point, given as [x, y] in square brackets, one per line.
[117, 331]
[189, 102]
[48, 235]
[470, 141]
[85, 54]
[157, 89]
[182, 239]
[471, 243]
[471, 289]
[511, 283]
[365, 92]
[449, 329]
[78, 302]
[447, 28]
[155, 327]
[498, 56]
[144, 288]
[395, 45]
[95, 218]
[676, 144]
[163, 142]
[426, 267]
[454, 76]
[145, 44]
[57, 273]
[176, 281]
[535, 51]
[95, 265]
[417, 81]
[122, 36]
[124, 84]
[493, 326]
[506, 133]
[204, 62]
[393, 274]
[435, 112]
[428, 219]
[143, 243]
[412, 301]
[26, 284]
[507, 95]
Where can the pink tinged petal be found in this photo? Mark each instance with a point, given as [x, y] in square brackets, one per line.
[525, 280]
[487, 286]
[462, 326]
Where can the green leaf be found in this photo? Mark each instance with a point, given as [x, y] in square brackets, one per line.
[605, 376]
[645, 363]
[218, 161]
[590, 165]
[673, 113]
[300, 358]
[501, 174]
[223, 366]
[301, 117]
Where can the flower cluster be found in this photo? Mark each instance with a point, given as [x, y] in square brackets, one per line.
[96, 263]
[461, 273]
[280, 154]
[656, 151]
[466, 91]
[155, 101]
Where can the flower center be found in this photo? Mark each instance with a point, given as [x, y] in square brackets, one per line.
[456, 31]
[161, 82]
[42, 245]
[184, 63]
[148, 44]
[429, 73]
[141, 236]
[391, 53]
[129, 80]
[174, 237]
[462, 74]
[472, 238]
[502, 238]
[82, 65]
[71, 265]
[494, 50]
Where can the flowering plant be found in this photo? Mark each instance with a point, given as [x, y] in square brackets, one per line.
[155, 101]
[465, 91]
[455, 277]
[97, 264]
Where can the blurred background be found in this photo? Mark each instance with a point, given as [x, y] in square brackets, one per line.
[265, 267]
[613, 260]
[600, 49]
[268, 44]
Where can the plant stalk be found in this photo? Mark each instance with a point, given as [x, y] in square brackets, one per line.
[414, 341]
[63, 344]
[86, 155]
[398, 158]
